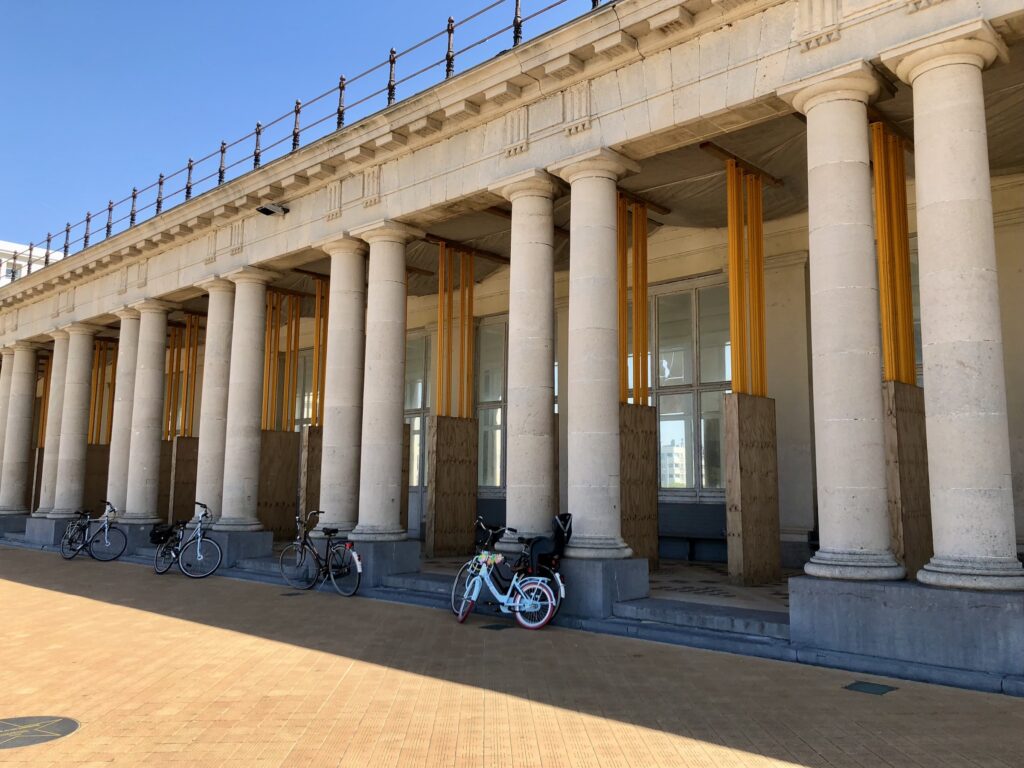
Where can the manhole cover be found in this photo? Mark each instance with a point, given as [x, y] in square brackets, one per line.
[26, 731]
[875, 689]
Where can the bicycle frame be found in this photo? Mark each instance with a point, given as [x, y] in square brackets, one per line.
[197, 533]
[482, 577]
[104, 526]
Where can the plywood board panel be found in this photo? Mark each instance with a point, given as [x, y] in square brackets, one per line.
[97, 459]
[751, 490]
[309, 468]
[906, 466]
[452, 486]
[184, 466]
[279, 482]
[163, 499]
[638, 477]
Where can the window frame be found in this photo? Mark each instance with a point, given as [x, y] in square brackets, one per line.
[492, 491]
[425, 409]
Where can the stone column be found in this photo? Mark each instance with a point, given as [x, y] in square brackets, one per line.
[124, 396]
[141, 505]
[853, 515]
[74, 422]
[54, 407]
[245, 402]
[593, 375]
[213, 413]
[343, 384]
[531, 486]
[17, 463]
[380, 480]
[6, 372]
[965, 387]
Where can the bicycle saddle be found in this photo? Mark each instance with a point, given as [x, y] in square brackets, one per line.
[330, 531]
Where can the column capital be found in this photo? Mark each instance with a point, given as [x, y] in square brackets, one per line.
[251, 275]
[974, 42]
[602, 163]
[24, 346]
[532, 183]
[216, 285]
[81, 329]
[344, 244]
[854, 81]
[126, 313]
[58, 333]
[388, 231]
[7, 351]
[154, 305]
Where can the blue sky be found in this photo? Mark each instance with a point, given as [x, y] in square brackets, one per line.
[102, 96]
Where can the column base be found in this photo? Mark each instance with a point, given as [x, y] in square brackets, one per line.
[385, 558]
[344, 529]
[378, 533]
[854, 565]
[592, 587]
[44, 531]
[237, 525]
[598, 548]
[12, 523]
[243, 545]
[509, 543]
[4, 511]
[42, 512]
[62, 514]
[990, 573]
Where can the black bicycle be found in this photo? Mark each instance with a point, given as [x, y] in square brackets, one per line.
[539, 556]
[302, 565]
[105, 543]
[197, 556]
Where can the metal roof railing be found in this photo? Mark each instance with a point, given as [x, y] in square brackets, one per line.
[357, 96]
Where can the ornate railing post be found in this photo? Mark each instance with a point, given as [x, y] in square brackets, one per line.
[295, 127]
[392, 58]
[110, 219]
[223, 168]
[256, 152]
[517, 24]
[341, 101]
[135, 209]
[188, 181]
[88, 221]
[46, 256]
[159, 194]
[67, 239]
[449, 59]
[30, 248]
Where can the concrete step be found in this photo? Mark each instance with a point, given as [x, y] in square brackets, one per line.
[15, 536]
[428, 583]
[743, 621]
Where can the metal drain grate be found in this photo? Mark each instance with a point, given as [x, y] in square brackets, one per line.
[26, 731]
[875, 689]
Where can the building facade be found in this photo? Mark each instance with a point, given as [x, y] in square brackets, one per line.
[564, 178]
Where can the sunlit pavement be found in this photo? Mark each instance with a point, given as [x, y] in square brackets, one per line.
[161, 670]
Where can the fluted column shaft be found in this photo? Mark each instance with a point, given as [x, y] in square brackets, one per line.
[121, 419]
[213, 413]
[74, 422]
[343, 385]
[142, 501]
[16, 473]
[380, 480]
[54, 407]
[245, 400]
[531, 486]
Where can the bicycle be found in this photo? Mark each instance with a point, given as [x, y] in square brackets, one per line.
[540, 555]
[197, 556]
[302, 566]
[77, 536]
[529, 599]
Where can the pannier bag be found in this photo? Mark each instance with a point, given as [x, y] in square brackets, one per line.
[160, 533]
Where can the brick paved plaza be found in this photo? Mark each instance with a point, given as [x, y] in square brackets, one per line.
[166, 671]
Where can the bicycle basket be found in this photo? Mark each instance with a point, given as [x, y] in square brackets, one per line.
[160, 533]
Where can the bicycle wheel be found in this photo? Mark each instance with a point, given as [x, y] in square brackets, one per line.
[466, 601]
[108, 546]
[199, 558]
[164, 556]
[72, 541]
[537, 616]
[299, 567]
[344, 570]
[459, 585]
[546, 573]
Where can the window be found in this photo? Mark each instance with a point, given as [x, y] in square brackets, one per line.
[491, 345]
[690, 356]
[417, 404]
